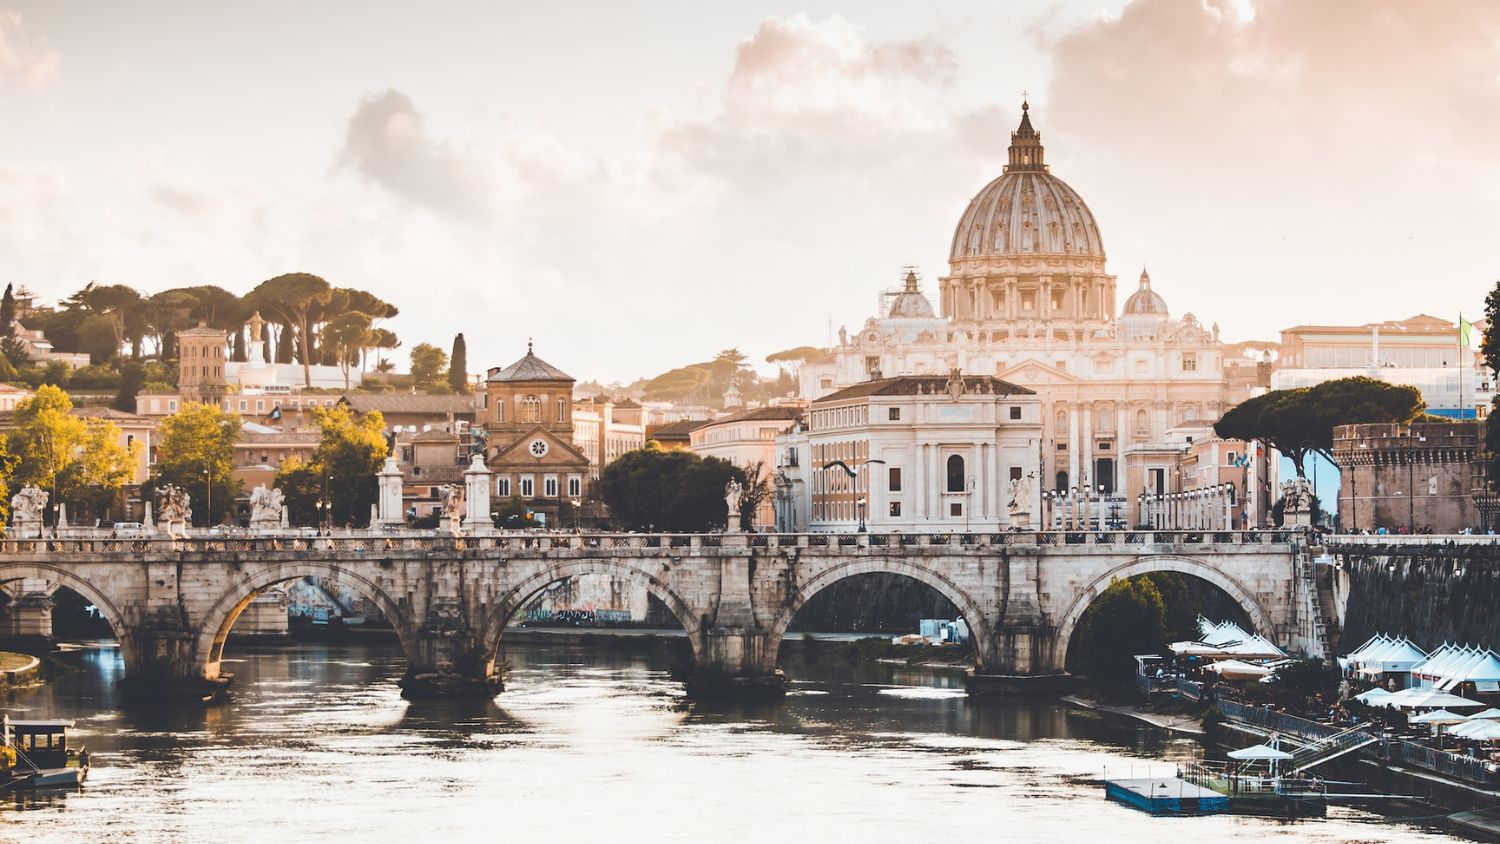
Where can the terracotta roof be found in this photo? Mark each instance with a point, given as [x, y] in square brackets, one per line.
[529, 368]
[408, 403]
[109, 413]
[434, 436]
[911, 385]
[781, 413]
[281, 438]
[678, 430]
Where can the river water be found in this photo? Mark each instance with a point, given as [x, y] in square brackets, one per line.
[600, 746]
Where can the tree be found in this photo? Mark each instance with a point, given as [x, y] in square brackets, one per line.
[195, 451]
[351, 450]
[649, 488]
[458, 366]
[429, 366]
[8, 313]
[132, 379]
[1299, 422]
[1128, 618]
[757, 490]
[347, 335]
[76, 460]
[292, 298]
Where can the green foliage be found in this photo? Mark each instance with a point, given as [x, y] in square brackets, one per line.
[341, 472]
[195, 451]
[81, 461]
[458, 366]
[1309, 677]
[512, 513]
[668, 490]
[1299, 422]
[1128, 618]
[1489, 345]
[291, 299]
[94, 377]
[347, 335]
[429, 368]
[132, 381]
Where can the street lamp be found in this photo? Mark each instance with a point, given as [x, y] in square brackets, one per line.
[852, 475]
[208, 499]
[574, 502]
[861, 503]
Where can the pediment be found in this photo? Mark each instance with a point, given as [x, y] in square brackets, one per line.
[1032, 373]
[560, 452]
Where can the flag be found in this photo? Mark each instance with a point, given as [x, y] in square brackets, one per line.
[1464, 327]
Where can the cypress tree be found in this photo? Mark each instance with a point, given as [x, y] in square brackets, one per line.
[8, 313]
[458, 366]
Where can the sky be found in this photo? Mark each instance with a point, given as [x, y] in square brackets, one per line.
[639, 185]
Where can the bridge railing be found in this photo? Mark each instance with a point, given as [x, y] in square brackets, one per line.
[378, 541]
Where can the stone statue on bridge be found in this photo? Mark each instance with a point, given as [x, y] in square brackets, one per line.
[267, 507]
[734, 493]
[176, 510]
[26, 509]
[1019, 503]
[451, 508]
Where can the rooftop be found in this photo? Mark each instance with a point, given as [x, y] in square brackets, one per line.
[408, 403]
[912, 385]
[529, 368]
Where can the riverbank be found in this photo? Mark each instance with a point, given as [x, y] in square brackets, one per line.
[1177, 722]
[18, 670]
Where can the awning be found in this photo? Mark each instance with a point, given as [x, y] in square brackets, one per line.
[1260, 753]
[1438, 716]
[1373, 696]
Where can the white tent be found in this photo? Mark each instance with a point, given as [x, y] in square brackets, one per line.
[1477, 730]
[1260, 753]
[1238, 669]
[1438, 716]
[1374, 696]
[1428, 699]
[1487, 715]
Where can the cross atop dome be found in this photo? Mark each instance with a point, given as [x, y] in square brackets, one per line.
[1026, 151]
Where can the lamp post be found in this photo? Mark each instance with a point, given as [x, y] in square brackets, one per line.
[208, 498]
[861, 503]
[574, 503]
[852, 474]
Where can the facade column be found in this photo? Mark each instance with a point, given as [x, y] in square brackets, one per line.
[997, 487]
[919, 469]
[1087, 457]
[1074, 448]
[939, 478]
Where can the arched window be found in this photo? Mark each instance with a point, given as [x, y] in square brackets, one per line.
[955, 473]
[1142, 422]
[562, 409]
[1062, 481]
[1104, 419]
[1062, 423]
[531, 409]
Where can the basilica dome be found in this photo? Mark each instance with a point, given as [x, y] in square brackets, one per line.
[1145, 301]
[910, 303]
[1027, 210]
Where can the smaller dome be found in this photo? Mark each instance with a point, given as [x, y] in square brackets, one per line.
[1145, 301]
[910, 303]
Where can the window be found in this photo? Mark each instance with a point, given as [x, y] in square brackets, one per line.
[1062, 481]
[171, 405]
[575, 486]
[896, 509]
[1230, 458]
[956, 508]
[528, 486]
[1062, 446]
[1104, 446]
[895, 473]
[531, 410]
[1015, 473]
[1061, 423]
[893, 414]
[825, 383]
[1015, 413]
[872, 363]
[1142, 422]
[955, 473]
[562, 409]
[1189, 361]
[1028, 301]
[502, 487]
[549, 486]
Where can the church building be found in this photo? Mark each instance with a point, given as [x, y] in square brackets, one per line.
[1028, 299]
[527, 417]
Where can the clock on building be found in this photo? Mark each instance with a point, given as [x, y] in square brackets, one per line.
[538, 448]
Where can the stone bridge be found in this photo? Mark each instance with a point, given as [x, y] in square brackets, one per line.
[172, 602]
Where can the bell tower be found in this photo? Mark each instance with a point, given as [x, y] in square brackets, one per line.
[200, 364]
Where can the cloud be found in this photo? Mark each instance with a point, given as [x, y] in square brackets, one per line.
[22, 58]
[387, 143]
[1269, 145]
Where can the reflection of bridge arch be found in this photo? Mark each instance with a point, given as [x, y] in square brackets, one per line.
[517, 597]
[980, 628]
[61, 577]
[208, 651]
[1259, 617]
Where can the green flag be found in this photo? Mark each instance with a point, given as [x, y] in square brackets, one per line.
[1464, 327]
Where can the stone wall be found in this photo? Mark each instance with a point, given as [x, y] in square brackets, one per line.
[1447, 594]
[1420, 476]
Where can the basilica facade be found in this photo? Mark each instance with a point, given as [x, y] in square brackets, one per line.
[1028, 299]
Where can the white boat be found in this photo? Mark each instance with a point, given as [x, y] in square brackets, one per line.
[41, 755]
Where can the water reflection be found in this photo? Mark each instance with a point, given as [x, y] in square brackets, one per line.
[598, 743]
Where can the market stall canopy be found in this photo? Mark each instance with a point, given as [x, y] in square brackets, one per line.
[1428, 699]
[1477, 730]
[1237, 669]
[1260, 753]
[1438, 716]
[1487, 715]
[1373, 696]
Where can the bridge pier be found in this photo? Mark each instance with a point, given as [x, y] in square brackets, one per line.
[449, 662]
[26, 622]
[1016, 661]
[161, 665]
[736, 663]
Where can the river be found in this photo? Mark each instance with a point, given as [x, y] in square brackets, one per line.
[584, 744]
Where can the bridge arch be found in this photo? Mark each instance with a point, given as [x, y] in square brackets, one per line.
[1231, 586]
[980, 627]
[517, 597]
[208, 650]
[56, 576]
